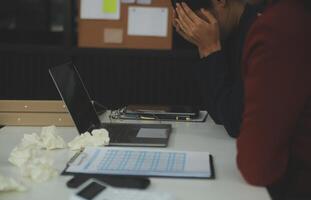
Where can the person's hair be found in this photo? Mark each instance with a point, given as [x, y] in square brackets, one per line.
[198, 4]
[207, 4]
[306, 3]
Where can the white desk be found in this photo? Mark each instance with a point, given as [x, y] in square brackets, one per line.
[185, 136]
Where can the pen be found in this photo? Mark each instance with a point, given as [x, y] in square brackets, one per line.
[147, 117]
[182, 118]
[75, 156]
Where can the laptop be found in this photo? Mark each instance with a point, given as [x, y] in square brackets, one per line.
[73, 92]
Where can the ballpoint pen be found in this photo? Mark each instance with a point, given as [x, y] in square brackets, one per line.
[147, 117]
[184, 118]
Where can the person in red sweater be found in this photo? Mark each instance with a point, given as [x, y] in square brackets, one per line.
[274, 145]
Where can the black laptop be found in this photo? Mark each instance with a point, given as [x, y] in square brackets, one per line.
[73, 92]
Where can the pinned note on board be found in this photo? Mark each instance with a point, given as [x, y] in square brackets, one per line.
[147, 21]
[144, 2]
[113, 35]
[110, 6]
[100, 9]
[128, 1]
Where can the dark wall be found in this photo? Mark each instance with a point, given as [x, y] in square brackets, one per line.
[113, 77]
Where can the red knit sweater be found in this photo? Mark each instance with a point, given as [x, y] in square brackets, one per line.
[274, 145]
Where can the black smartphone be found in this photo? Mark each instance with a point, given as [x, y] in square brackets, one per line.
[112, 180]
[194, 4]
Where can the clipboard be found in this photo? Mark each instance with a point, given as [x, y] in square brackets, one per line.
[113, 180]
[78, 155]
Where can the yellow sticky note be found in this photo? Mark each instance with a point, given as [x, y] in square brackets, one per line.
[110, 6]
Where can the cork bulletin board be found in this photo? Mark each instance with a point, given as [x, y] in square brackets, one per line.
[106, 33]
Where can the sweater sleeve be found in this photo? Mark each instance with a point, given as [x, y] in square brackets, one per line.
[224, 94]
[274, 98]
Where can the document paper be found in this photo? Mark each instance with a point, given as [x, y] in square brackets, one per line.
[146, 21]
[146, 162]
[100, 9]
[144, 2]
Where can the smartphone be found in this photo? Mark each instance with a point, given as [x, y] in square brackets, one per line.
[112, 180]
[97, 190]
[194, 4]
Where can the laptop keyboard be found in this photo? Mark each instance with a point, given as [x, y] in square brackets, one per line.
[120, 131]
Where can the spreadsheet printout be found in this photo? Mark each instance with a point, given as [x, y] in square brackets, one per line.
[141, 161]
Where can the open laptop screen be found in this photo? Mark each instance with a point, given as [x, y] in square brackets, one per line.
[73, 92]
